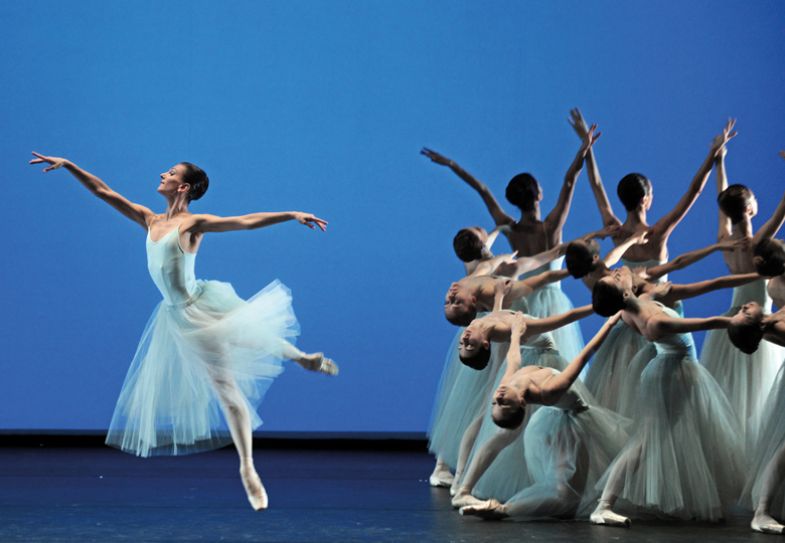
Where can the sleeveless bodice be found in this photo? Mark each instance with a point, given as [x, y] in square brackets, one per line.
[632, 264]
[571, 400]
[171, 268]
[681, 344]
[754, 291]
[550, 266]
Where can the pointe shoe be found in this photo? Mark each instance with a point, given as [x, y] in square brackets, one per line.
[489, 510]
[254, 489]
[320, 364]
[606, 517]
[766, 525]
[464, 500]
[440, 479]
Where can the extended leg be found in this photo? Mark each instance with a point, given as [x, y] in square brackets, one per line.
[485, 456]
[772, 476]
[441, 476]
[311, 362]
[467, 443]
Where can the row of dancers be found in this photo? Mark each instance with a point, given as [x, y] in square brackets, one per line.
[523, 427]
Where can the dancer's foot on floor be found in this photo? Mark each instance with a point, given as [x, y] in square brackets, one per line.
[604, 516]
[464, 499]
[318, 362]
[257, 495]
[441, 477]
[766, 524]
[489, 510]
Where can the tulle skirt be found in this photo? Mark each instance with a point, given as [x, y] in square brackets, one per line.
[770, 440]
[566, 454]
[191, 358]
[508, 474]
[685, 458]
[611, 366]
[745, 378]
[551, 300]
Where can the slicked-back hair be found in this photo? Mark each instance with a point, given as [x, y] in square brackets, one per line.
[746, 337]
[771, 257]
[607, 299]
[522, 191]
[479, 360]
[460, 318]
[631, 190]
[579, 259]
[468, 245]
[197, 179]
[733, 202]
[509, 419]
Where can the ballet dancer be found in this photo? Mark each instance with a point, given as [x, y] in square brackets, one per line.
[530, 235]
[764, 488]
[745, 378]
[568, 441]
[205, 351]
[685, 458]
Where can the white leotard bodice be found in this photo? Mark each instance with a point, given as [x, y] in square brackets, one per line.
[682, 344]
[171, 268]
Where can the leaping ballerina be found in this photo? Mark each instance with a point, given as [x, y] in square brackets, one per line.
[205, 351]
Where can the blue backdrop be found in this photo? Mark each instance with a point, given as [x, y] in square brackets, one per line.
[323, 107]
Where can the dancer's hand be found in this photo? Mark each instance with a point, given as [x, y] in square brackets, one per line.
[518, 324]
[610, 230]
[436, 157]
[589, 139]
[53, 161]
[721, 140]
[310, 220]
[782, 154]
[578, 123]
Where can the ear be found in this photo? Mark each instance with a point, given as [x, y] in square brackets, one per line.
[474, 299]
[184, 187]
[595, 258]
[486, 344]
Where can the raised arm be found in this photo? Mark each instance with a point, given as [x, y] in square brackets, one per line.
[684, 260]
[529, 263]
[555, 387]
[517, 329]
[724, 228]
[555, 220]
[690, 290]
[663, 228]
[498, 214]
[136, 212]
[547, 324]
[595, 181]
[214, 223]
[773, 225]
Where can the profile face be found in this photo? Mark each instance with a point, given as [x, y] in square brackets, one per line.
[172, 179]
[620, 277]
[458, 300]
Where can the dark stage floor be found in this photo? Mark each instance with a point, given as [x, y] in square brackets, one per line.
[98, 494]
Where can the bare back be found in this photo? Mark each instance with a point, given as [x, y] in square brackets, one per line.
[531, 237]
[739, 260]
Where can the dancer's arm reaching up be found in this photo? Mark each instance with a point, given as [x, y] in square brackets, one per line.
[555, 387]
[555, 220]
[724, 229]
[773, 225]
[498, 214]
[595, 181]
[686, 259]
[136, 212]
[662, 228]
[670, 293]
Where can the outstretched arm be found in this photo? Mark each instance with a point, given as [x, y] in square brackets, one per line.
[773, 225]
[214, 223]
[663, 228]
[136, 212]
[498, 214]
[529, 263]
[524, 287]
[547, 324]
[664, 324]
[517, 329]
[555, 387]
[555, 220]
[595, 181]
[684, 260]
[690, 290]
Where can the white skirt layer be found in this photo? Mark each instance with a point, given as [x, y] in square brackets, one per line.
[771, 440]
[169, 403]
[691, 458]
